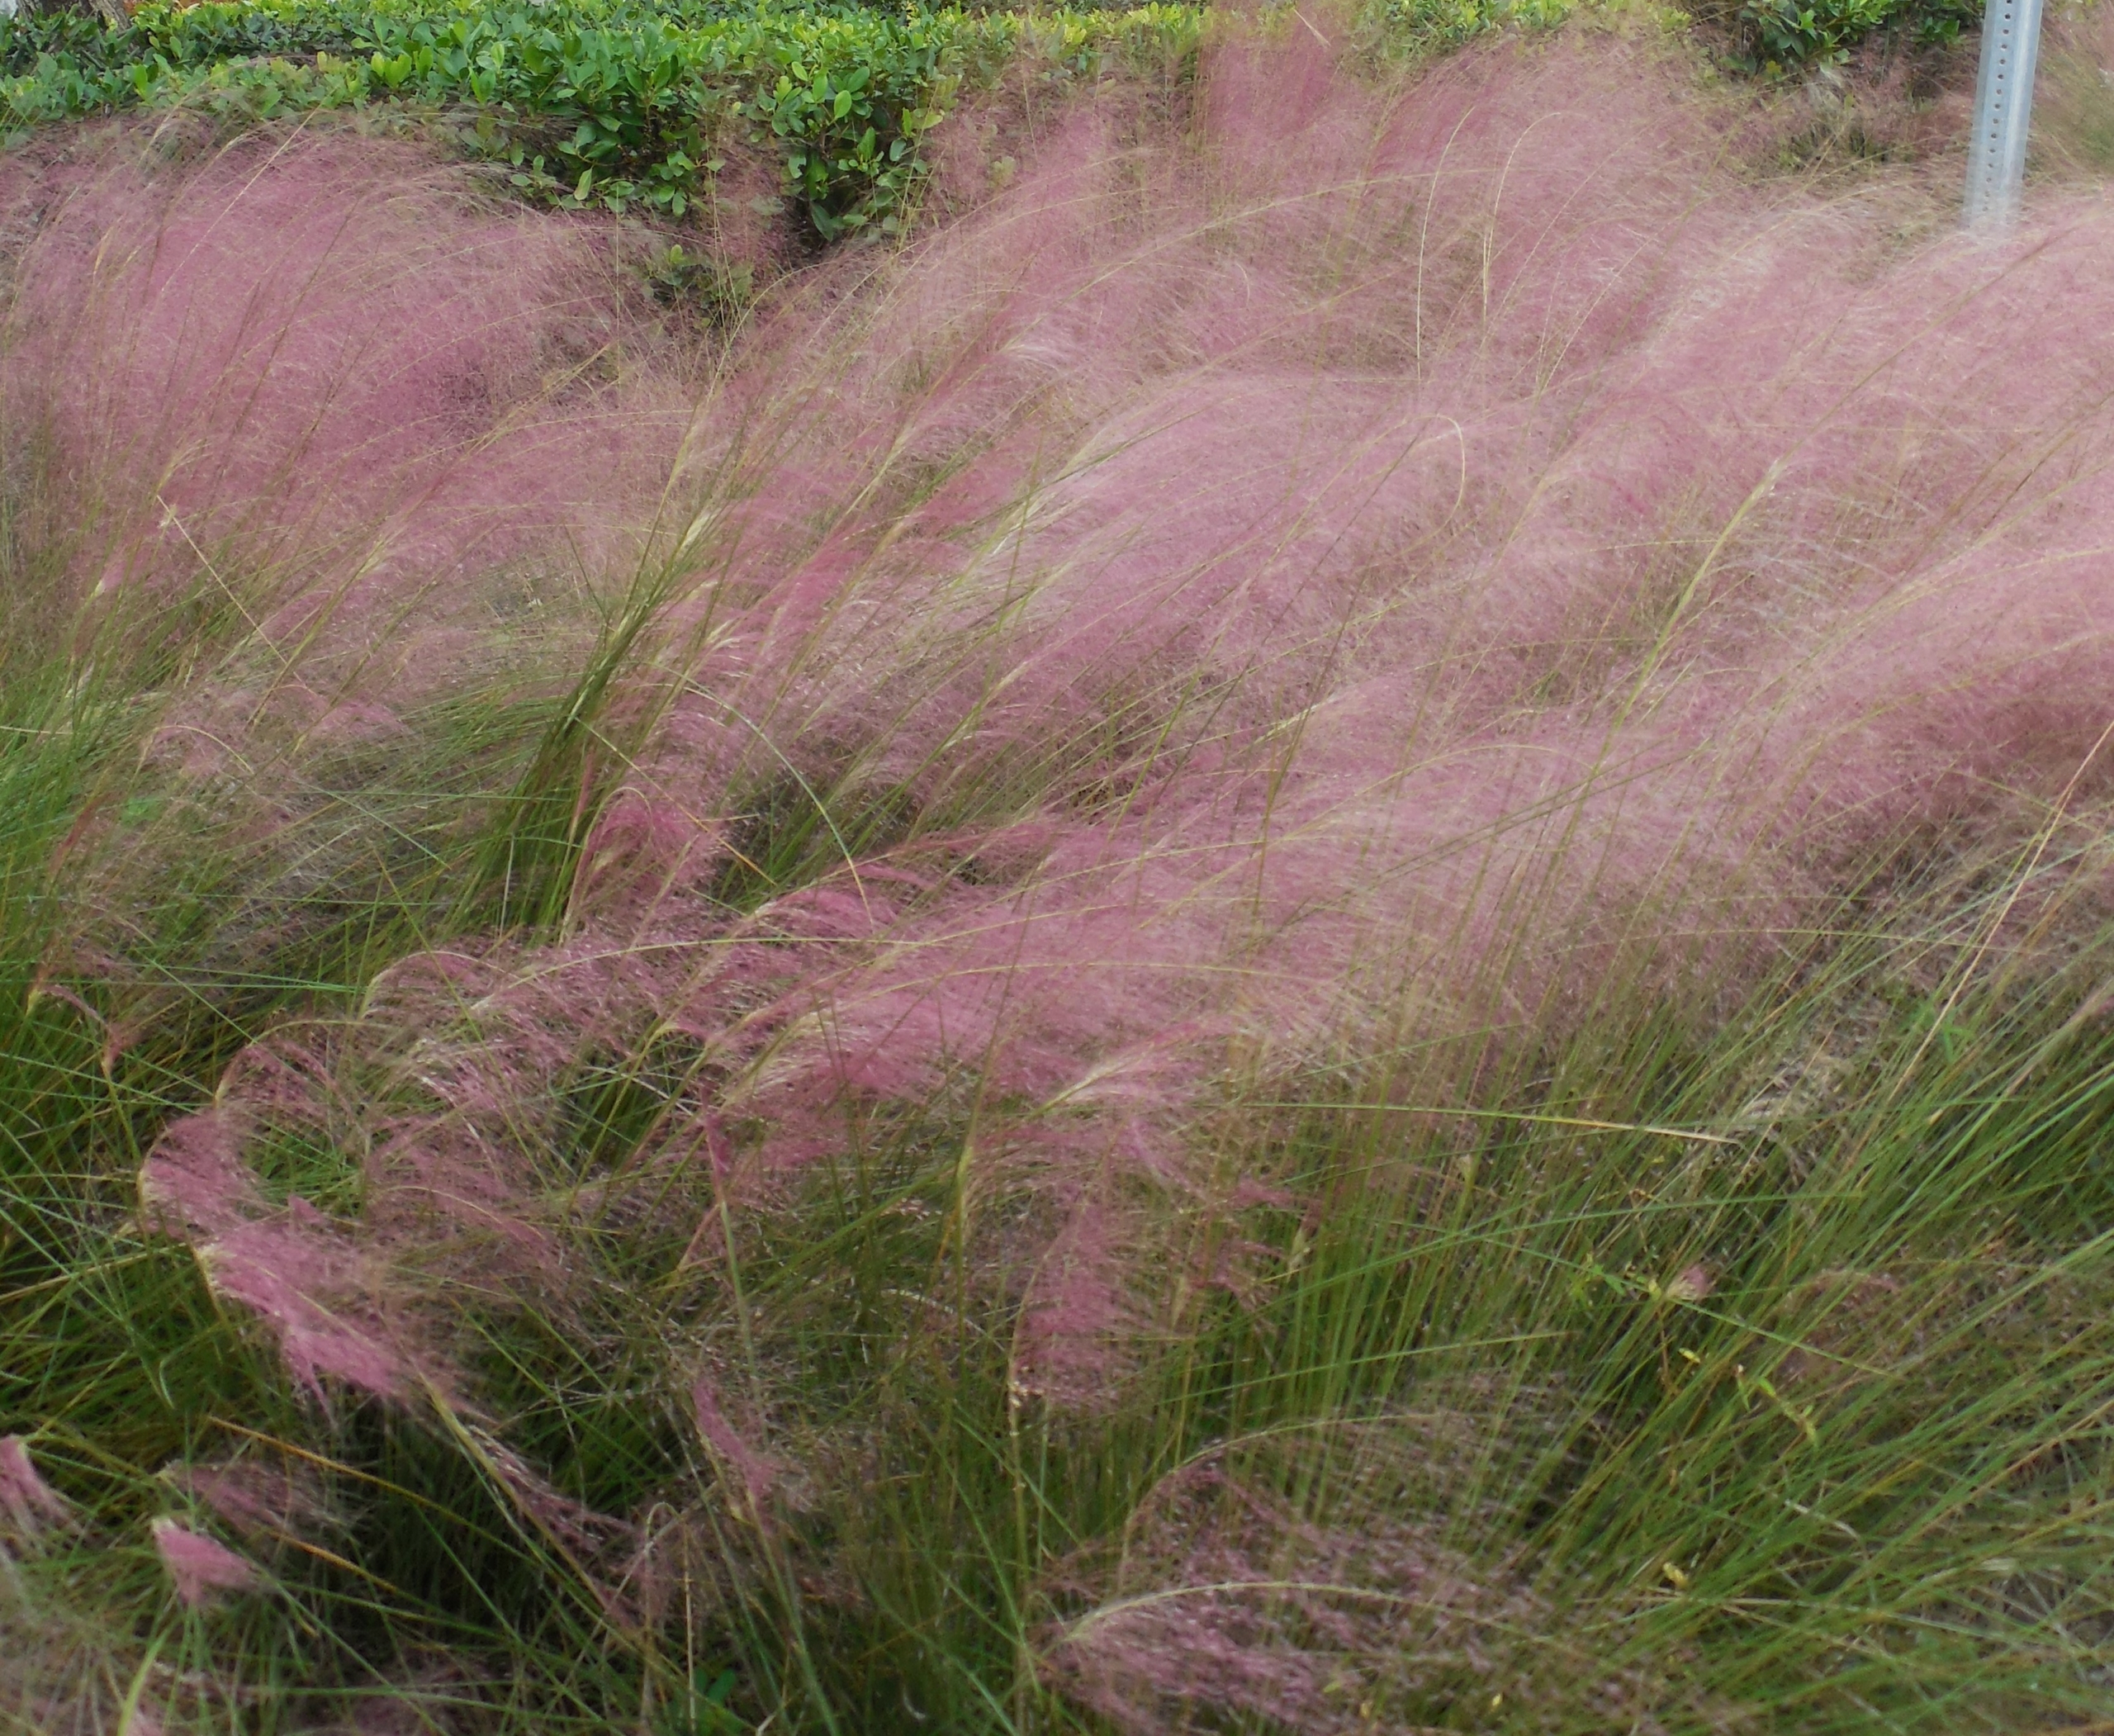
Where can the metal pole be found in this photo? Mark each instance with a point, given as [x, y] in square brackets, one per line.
[2003, 101]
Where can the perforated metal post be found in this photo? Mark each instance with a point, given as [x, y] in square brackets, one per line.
[2004, 102]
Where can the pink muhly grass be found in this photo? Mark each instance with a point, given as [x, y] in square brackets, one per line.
[290, 1267]
[194, 1181]
[1226, 1596]
[1077, 1315]
[1401, 565]
[29, 1503]
[256, 1499]
[200, 1567]
[308, 1291]
[754, 1471]
[348, 411]
[1368, 1602]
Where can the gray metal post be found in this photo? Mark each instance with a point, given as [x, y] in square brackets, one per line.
[2003, 101]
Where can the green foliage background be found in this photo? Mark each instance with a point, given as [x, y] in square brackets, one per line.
[619, 104]
[605, 103]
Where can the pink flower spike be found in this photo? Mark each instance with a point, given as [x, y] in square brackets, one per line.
[28, 1500]
[198, 1567]
[757, 1472]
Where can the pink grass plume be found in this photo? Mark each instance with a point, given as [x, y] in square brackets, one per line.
[28, 1503]
[200, 1569]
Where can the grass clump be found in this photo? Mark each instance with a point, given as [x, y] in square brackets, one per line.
[1308, 934]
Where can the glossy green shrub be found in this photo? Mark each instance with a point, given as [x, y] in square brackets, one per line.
[609, 102]
[1778, 36]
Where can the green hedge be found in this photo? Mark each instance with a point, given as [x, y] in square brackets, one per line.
[619, 104]
[1769, 38]
[610, 102]
[1779, 36]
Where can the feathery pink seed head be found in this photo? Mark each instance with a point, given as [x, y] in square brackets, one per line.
[199, 1567]
[27, 1501]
